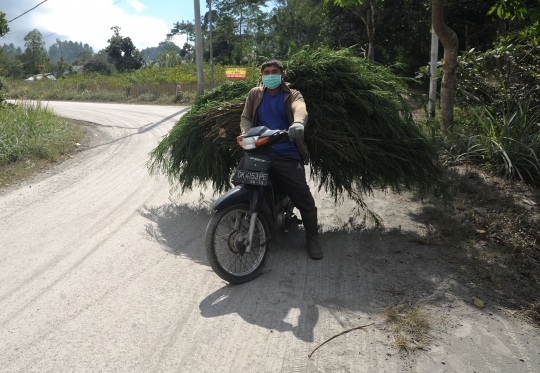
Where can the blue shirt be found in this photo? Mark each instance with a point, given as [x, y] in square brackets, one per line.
[271, 113]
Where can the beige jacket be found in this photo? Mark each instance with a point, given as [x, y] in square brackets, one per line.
[294, 104]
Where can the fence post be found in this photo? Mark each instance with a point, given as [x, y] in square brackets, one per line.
[179, 90]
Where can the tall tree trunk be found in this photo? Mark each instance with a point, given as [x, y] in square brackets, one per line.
[370, 20]
[449, 41]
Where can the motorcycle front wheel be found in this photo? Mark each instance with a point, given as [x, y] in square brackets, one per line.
[225, 244]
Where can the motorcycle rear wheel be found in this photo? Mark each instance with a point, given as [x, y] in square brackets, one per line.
[224, 248]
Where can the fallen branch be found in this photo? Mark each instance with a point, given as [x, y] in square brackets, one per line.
[337, 335]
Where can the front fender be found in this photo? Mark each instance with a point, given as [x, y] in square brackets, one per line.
[238, 194]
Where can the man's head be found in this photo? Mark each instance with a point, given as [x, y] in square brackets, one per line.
[272, 74]
[272, 63]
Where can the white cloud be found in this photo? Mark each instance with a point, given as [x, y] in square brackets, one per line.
[136, 5]
[91, 21]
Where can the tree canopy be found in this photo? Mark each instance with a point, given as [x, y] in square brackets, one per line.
[4, 29]
[71, 51]
[123, 52]
[34, 57]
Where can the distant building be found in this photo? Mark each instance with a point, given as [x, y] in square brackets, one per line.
[40, 76]
[78, 69]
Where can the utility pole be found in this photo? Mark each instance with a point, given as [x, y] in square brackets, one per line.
[433, 74]
[199, 49]
[211, 46]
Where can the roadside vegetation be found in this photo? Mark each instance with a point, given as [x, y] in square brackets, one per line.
[147, 85]
[32, 136]
[491, 157]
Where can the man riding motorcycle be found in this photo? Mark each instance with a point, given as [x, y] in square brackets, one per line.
[276, 106]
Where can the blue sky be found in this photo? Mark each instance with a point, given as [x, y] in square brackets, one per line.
[89, 21]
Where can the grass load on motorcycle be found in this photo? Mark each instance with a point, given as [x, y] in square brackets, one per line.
[360, 135]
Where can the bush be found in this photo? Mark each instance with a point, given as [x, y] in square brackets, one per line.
[506, 141]
[98, 64]
[511, 70]
[500, 99]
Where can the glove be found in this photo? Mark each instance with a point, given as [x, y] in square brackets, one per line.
[296, 131]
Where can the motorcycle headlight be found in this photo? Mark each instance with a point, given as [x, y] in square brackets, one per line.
[248, 143]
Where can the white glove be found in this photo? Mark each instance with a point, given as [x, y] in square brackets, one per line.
[296, 131]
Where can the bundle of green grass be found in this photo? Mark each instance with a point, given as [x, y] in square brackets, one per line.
[360, 132]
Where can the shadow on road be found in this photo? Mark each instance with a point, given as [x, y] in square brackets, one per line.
[492, 231]
[362, 273]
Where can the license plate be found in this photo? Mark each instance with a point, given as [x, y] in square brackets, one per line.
[251, 177]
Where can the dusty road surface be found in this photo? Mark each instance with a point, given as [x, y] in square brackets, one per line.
[101, 270]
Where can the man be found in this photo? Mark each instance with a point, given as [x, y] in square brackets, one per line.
[274, 105]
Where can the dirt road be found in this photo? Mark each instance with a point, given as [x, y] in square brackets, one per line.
[101, 270]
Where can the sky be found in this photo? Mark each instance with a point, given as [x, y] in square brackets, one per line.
[146, 22]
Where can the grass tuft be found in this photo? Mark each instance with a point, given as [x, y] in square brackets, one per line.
[410, 326]
[31, 133]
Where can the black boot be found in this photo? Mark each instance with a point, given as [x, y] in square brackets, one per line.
[312, 234]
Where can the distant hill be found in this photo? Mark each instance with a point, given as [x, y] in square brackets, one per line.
[71, 50]
[10, 49]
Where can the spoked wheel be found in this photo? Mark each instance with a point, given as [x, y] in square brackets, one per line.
[226, 244]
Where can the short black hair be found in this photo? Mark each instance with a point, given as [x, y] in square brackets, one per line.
[275, 63]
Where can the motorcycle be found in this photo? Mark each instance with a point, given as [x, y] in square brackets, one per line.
[247, 216]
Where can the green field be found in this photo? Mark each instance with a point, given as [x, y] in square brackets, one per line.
[146, 85]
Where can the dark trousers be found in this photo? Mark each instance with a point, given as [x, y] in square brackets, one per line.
[290, 175]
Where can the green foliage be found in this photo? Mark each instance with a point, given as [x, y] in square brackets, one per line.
[150, 54]
[515, 9]
[520, 10]
[510, 69]
[71, 51]
[499, 99]
[4, 29]
[345, 3]
[192, 153]
[35, 56]
[126, 57]
[116, 87]
[506, 140]
[31, 130]
[3, 103]
[168, 59]
[98, 64]
[294, 24]
[360, 132]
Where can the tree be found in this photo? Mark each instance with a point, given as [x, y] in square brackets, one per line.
[292, 25]
[168, 59]
[150, 54]
[34, 57]
[449, 41]
[235, 24]
[10, 48]
[70, 50]
[125, 55]
[520, 10]
[4, 29]
[60, 68]
[98, 64]
[369, 11]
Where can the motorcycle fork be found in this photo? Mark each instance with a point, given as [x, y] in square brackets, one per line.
[256, 199]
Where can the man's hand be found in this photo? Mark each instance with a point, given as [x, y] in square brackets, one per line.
[296, 131]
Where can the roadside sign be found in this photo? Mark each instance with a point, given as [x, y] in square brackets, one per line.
[235, 72]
